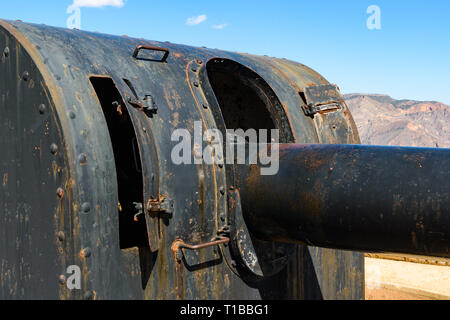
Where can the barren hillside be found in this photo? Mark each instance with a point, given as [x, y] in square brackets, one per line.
[382, 120]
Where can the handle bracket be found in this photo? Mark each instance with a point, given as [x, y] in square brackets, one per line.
[152, 48]
[179, 244]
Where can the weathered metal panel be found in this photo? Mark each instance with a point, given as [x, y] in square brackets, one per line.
[67, 59]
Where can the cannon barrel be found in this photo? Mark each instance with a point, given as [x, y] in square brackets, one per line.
[355, 197]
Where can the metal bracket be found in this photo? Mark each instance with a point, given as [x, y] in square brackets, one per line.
[241, 244]
[152, 48]
[321, 99]
[159, 206]
[138, 210]
[179, 244]
[311, 109]
[147, 104]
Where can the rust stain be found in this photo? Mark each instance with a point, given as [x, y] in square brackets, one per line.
[176, 119]
[5, 179]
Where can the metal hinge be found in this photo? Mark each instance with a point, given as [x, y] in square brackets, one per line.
[321, 99]
[162, 205]
[312, 109]
[147, 104]
[138, 210]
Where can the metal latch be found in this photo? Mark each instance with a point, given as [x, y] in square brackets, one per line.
[321, 99]
[161, 205]
[147, 104]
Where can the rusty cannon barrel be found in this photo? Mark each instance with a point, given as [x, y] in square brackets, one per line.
[353, 197]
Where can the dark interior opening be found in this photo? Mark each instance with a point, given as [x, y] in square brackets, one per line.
[132, 230]
[245, 99]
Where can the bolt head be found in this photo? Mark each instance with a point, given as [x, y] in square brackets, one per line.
[86, 252]
[53, 148]
[86, 207]
[72, 115]
[89, 295]
[60, 192]
[61, 236]
[82, 158]
[42, 108]
[26, 76]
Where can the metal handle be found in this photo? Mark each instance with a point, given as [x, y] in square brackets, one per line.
[144, 47]
[179, 244]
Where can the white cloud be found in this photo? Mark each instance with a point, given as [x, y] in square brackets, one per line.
[98, 3]
[192, 21]
[220, 26]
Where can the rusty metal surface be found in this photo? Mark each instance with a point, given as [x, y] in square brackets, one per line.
[180, 94]
[353, 197]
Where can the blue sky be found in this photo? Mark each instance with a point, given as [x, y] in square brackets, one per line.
[409, 57]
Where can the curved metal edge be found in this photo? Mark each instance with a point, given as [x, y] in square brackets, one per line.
[60, 117]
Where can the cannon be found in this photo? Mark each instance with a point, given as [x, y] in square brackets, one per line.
[93, 205]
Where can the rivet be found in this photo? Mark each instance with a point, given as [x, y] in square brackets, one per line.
[42, 108]
[61, 236]
[72, 115]
[205, 106]
[62, 279]
[26, 76]
[89, 295]
[82, 158]
[195, 84]
[60, 192]
[222, 216]
[86, 252]
[194, 69]
[6, 52]
[86, 207]
[53, 148]
[220, 165]
[222, 191]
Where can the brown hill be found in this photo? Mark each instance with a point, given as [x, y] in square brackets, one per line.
[382, 120]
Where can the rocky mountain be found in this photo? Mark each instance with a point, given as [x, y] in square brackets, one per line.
[382, 120]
